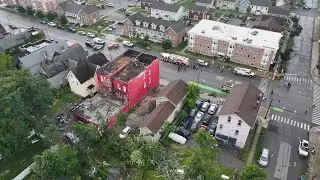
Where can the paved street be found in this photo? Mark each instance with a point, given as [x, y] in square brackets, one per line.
[287, 128]
[209, 76]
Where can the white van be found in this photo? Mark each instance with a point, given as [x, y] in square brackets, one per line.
[212, 109]
[125, 132]
[177, 138]
[202, 62]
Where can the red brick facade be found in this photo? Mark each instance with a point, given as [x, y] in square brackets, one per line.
[169, 33]
[197, 15]
[145, 6]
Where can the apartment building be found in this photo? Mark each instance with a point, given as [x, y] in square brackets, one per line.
[44, 6]
[252, 47]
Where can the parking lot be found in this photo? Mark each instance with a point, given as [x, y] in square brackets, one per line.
[112, 13]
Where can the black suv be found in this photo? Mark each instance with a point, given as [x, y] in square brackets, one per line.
[184, 132]
[72, 29]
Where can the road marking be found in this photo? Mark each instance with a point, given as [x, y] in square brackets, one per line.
[301, 126]
[291, 122]
[308, 127]
[297, 124]
[283, 159]
[281, 119]
[294, 124]
[305, 127]
[295, 164]
[272, 116]
[288, 122]
[220, 78]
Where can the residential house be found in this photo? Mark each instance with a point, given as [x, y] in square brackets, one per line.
[226, 4]
[82, 79]
[169, 12]
[278, 12]
[131, 76]
[175, 93]
[3, 30]
[260, 7]
[205, 3]
[252, 47]
[169, 101]
[51, 60]
[14, 40]
[79, 14]
[270, 24]
[46, 6]
[138, 25]
[283, 4]
[146, 4]
[238, 114]
[243, 5]
[200, 12]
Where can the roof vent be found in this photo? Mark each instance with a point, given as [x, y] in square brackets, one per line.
[234, 38]
[202, 31]
[254, 33]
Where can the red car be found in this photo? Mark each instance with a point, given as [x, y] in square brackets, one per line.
[113, 46]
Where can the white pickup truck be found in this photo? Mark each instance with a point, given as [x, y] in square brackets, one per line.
[243, 71]
[127, 43]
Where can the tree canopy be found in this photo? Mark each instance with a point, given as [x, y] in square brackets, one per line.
[63, 20]
[166, 44]
[253, 172]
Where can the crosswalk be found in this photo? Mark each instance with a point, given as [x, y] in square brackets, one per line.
[297, 79]
[316, 102]
[290, 122]
[263, 85]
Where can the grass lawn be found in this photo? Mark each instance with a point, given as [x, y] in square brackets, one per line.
[63, 97]
[95, 27]
[218, 13]
[12, 167]
[259, 147]
[152, 175]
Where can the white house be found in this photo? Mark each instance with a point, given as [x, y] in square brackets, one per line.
[260, 7]
[226, 4]
[82, 79]
[169, 12]
[169, 101]
[238, 114]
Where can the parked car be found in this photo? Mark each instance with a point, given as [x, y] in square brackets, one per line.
[263, 161]
[52, 24]
[187, 121]
[72, 29]
[60, 26]
[122, 9]
[205, 106]
[206, 120]
[91, 35]
[199, 116]
[12, 26]
[82, 33]
[177, 138]
[125, 132]
[43, 22]
[202, 63]
[192, 112]
[304, 148]
[98, 41]
[109, 29]
[113, 46]
[212, 109]
[194, 127]
[97, 47]
[306, 7]
[184, 132]
[199, 103]
[224, 19]
[130, 5]
[110, 5]
[212, 128]
[127, 43]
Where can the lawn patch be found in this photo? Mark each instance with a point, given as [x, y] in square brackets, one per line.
[12, 167]
[259, 147]
[152, 175]
[63, 96]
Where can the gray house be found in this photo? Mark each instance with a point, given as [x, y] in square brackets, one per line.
[51, 60]
[13, 40]
[242, 5]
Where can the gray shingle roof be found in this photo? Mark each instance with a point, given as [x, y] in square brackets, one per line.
[175, 91]
[270, 24]
[76, 8]
[177, 26]
[244, 100]
[264, 3]
[84, 71]
[278, 10]
[200, 9]
[98, 59]
[165, 7]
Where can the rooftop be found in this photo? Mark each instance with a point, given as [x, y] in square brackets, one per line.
[126, 61]
[236, 34]
[32, 47]
[135, 67]
[98, 109]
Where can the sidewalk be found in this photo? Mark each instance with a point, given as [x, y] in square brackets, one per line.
[314, 158]
[315, 53]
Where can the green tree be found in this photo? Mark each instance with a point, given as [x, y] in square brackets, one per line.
[63, 20]
[60, 161]
[122, 119]
[296, 30]
[29, 10]
[6, 62]
[21, 9]
[166, 44]
[39, 14]
[51, 16]
[146, 37]
[205, 140]
[88, 136]
[24, 100]
[52, 135]
[285, 56]
[253, 172]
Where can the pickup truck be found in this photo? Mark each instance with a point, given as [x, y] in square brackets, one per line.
[127, 43]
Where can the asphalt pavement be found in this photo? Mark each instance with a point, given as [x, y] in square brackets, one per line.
[290, 121]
